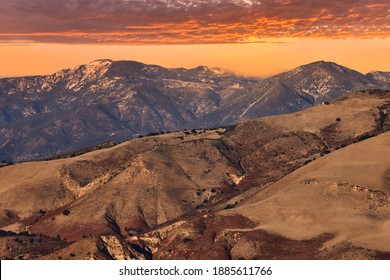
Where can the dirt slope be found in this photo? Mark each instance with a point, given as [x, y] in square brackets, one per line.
[294, 185]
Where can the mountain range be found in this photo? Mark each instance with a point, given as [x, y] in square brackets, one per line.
[108, 101]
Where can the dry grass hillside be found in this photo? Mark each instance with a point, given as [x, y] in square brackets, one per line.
[335, 207]
[305, 185]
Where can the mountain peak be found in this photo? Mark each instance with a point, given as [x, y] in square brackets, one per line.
[92, 70]
[322, 69]
[327, 65]
[100, 63]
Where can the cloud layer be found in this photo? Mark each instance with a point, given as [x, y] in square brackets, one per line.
[189, 22]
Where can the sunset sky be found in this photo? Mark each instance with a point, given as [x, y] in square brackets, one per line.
[260, 37]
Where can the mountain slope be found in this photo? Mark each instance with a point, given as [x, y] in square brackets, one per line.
[103, 101]
[156, 192]
[296, 90]
[337, 207]
[108, 100]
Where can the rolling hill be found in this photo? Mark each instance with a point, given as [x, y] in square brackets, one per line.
[309, 185]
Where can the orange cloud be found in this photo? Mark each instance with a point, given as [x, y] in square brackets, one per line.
[189, 22]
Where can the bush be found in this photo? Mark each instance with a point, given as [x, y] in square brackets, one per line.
[66, 212]
[230, 206]
[338, 120]
[7, 233]
[187, 239]
[153, 134]
[365, 136]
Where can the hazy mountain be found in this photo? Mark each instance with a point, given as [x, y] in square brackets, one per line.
[105, 100]
[307, 185]
[380, 79]
[295, 90]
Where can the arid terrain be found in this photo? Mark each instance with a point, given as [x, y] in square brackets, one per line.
[314, 184]
[111, 101]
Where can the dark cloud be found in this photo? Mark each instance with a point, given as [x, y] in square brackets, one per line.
[183, 22]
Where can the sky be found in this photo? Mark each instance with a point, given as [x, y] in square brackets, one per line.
[249, 37]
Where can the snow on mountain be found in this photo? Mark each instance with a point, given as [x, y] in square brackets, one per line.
[109, 100]
[380, 79]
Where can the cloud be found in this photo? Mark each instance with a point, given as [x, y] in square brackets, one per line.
[189, 22]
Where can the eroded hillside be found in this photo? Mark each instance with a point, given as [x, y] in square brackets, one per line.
[290, 186]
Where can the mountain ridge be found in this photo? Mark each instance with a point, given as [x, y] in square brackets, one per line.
[105, 100]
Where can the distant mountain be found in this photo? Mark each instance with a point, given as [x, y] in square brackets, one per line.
[296, 90]
[380, 79]
[106, 100]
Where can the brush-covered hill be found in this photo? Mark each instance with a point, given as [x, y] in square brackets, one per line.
[312, 184]
[109, 101]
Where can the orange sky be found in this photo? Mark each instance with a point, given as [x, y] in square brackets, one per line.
[250, 37]
[257, 59]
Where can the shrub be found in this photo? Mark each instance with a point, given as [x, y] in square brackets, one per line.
[365, 136]
[152, 134]
[7, 233]
[187, 239]
[230, 206]
[66, 212]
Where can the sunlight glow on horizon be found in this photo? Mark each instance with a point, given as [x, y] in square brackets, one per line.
[253, 59]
